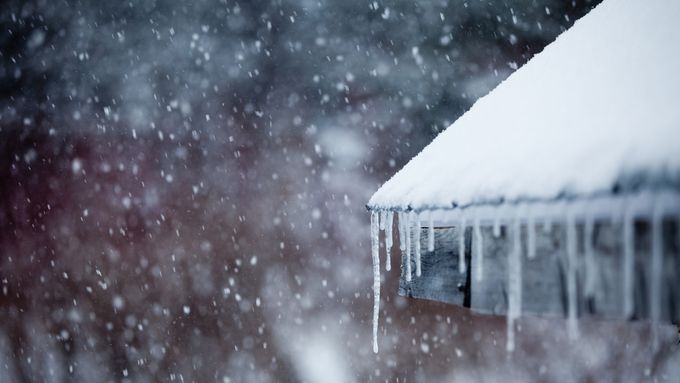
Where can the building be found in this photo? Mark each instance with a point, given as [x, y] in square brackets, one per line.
[558, 193]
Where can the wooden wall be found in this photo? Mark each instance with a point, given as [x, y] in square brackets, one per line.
[544, 276]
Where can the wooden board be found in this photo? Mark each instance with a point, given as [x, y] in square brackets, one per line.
[440, 280]
[544, 277]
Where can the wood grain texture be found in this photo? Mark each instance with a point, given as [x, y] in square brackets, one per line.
[544, 277]
[440, 280]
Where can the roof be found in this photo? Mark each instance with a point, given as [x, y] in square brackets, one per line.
[598, 109]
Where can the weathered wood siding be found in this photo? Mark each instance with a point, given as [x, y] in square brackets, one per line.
[544, 277]
[440, 279]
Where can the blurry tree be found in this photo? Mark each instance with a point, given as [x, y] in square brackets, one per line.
[182, 183]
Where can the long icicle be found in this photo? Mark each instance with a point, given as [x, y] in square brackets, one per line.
[407, 235]
[430, 233]
[572, 302]
[375, 252]
[548, 220]
[479, 250]
[510, 330]
[657, 275]
[531, 236]
[591, 265]
[497, 222]
[461, 244]
[389, 219]
[547, 224]
[402, 236]
[514, 285]
[628, 262]
[417, 242]
[402, 240]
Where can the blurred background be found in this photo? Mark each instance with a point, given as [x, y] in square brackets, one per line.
[182, 190]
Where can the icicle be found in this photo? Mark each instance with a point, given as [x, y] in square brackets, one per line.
[591, 265]
[430, 238]
[510, 345]
[375, 252]
[479, 249]
[657, 254]
[572, 303]
[518, 267]
[389, 219]
[628, 262]
[383, 218]
[402, 235]
[417, 242]
[497, 223]
[407, 235]
[547, 223]
[461, 244]
[514, 285]
[531, 237]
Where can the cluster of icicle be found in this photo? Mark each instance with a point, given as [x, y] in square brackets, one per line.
[626, 209]
[408, 221]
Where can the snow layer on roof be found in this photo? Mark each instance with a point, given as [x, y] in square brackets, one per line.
[598, 106]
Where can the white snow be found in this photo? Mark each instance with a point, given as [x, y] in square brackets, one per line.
[596, 106]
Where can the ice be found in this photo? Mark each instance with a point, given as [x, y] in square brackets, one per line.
[514, 285]
[430, 231]
[402, 231]
[517, 267]
[389, 219]
[497, 223]
[531, 237]
[510, 344]
[656, 278]
[375, 252]
[628, 261]
[479, 250]
[572, 264]
[417, 241]
[461, 244]
[591, 265]
[407, 235]
[581, 271]
[383, 218]
[547, 224]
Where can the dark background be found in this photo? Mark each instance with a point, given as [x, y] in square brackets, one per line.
[182, 190]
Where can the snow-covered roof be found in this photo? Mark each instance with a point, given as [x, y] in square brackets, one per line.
[598, 109]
